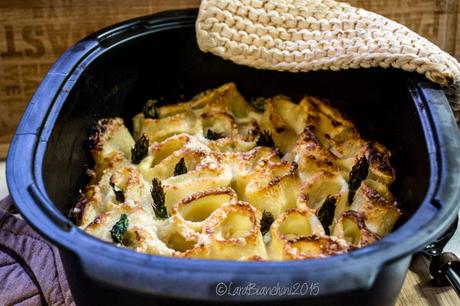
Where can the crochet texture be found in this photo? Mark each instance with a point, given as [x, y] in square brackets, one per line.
[309, 35]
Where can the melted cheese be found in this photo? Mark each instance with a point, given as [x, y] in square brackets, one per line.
[215, 208]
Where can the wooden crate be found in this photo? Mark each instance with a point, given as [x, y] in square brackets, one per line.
[33, 33]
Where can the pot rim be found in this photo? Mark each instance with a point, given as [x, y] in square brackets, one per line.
[25, 157]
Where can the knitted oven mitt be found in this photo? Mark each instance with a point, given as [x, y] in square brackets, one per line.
[305, 35]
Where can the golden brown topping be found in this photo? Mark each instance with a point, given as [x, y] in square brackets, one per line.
[219, 177]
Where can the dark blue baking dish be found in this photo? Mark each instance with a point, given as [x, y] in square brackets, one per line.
[113, 72]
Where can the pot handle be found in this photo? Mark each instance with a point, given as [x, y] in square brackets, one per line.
[27, 195]
[447, 135]
[51, 212]
[445, 269]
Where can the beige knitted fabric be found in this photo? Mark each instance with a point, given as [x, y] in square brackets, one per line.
[306, 35]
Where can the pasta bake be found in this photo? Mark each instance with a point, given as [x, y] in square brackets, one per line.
[220, 177]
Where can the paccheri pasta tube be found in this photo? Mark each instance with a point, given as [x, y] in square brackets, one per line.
[218, 178]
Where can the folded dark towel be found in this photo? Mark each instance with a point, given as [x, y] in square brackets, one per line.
[31, 271]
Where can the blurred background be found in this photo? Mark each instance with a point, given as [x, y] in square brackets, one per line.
[34, 33]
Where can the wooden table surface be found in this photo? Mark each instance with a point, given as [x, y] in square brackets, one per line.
[419, 290]
[34, 33]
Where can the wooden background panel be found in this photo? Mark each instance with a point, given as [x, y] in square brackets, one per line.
[33, 34]
[455, 35]
[430, 18]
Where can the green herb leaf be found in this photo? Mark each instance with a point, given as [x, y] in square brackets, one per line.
[326, 213]
[211, 135]
[258, 103]
[119, 194]
[119, 229]
[266, 222]
[158, 196]
[74, 214]
[357, 174]
[140, 150]
[149, 109]
[180, 168]
[265, 140]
